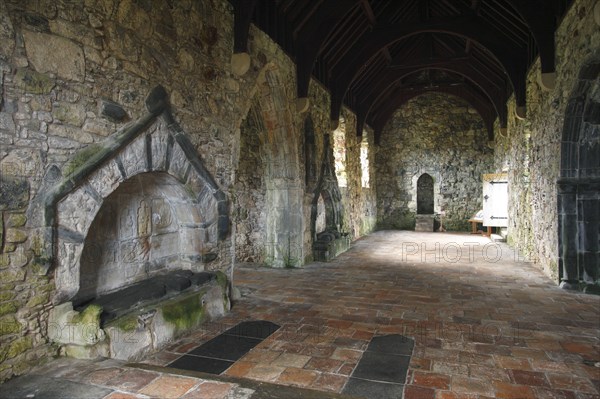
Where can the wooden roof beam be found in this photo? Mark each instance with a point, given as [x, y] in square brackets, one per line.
[469, 27]
[493, 93]
[541, 21]
[312, 36]
[240, 60]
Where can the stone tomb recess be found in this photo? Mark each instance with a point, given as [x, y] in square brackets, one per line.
[326, 216]
[131, 228]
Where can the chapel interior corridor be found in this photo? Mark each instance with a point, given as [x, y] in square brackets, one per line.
[485, 324]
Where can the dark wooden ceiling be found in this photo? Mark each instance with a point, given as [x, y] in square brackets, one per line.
[374, 55]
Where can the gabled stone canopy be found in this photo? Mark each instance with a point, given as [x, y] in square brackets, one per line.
[146, 145]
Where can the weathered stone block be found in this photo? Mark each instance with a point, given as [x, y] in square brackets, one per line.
[72, 134]
[128, 344]
[15, 236]
[6, 122]
[7, 34]
[113, 111]
[19, 346]
[89, 352]
[50, 53]
[133, 157]
[9, 325]
[157, 100]
[14, 193]
[72, 114]
[38, 299]
[77, 210]
[215, 302]
[33, 82]
[7, 276]
[15, 220]
[106, 179]
[8, 307]
[66, 326]
[162, 331]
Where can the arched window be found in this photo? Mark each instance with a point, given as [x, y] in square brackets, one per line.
[364, 163]
[339, 153]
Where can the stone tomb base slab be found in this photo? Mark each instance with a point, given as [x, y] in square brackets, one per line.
[424, 222]
[134, 322]
[327, 251]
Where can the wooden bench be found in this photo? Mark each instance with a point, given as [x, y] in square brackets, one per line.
[474, 230]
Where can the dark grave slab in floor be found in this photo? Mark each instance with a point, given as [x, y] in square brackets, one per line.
[381, 371]
[202, 364]
[40, 387]
[373, 389]
[218, 354]
[392, 344]
[253, 329]
[226, 347]
[382, 367]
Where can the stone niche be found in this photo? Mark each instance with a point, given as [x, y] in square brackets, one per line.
[329, 240]
[146, 226]
[425, 218]
[135, 223]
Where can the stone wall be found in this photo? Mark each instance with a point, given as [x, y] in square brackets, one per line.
[249, 195]
[530, 151]
[62, 63]
[360, 206]
[444, 137]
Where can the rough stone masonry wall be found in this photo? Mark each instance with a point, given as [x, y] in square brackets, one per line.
[440, 135]
[60, 59]
[360, 207]
[249, 214]
[530, 152]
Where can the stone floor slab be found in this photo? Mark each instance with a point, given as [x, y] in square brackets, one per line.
[36, 386]
[202, 364]
[226, 347]
[372, 389]
[382, 367]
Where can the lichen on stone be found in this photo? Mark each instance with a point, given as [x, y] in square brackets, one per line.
[88, 316]
[19, 346]
[126, 323]
[81, 158]
[185, 313]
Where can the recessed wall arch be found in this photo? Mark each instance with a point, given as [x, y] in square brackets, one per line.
[413, 204]
[148, 145]
[284, 230]
[579, 183]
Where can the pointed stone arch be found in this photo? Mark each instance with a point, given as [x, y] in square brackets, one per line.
[332, 241]
[279, 141]
[579, 183]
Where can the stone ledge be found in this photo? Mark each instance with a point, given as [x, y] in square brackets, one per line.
[147, 327]
[327, 251]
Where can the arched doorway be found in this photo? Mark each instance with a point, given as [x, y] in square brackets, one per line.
[425, 197]
[579, 184]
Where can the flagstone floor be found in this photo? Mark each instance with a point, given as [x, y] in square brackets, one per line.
[485, 323]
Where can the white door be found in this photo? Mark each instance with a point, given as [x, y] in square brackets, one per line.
[495, 200]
